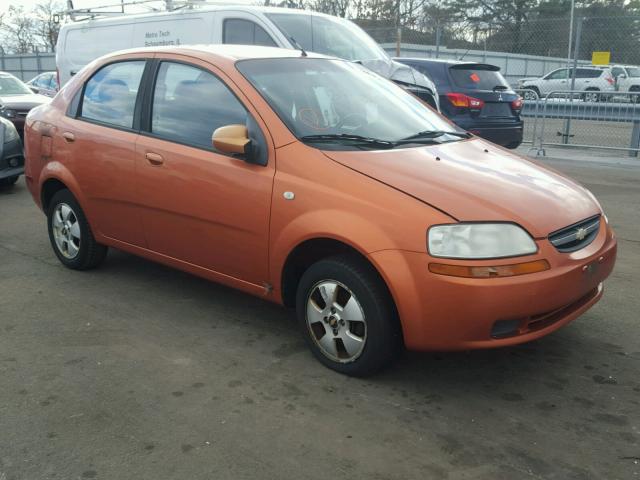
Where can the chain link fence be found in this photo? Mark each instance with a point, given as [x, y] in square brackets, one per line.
[533, 50]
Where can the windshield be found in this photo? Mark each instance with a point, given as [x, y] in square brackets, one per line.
[328, 36]
[12, 86]
[474, 77]
[633, 71]
[329, 98]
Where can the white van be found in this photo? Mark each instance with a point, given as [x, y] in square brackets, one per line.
[81, 42]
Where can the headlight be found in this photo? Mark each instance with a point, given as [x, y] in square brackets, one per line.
[8, 113]
[479, 240]
[10, 133]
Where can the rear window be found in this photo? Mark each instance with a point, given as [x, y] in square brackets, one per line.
[477, 78]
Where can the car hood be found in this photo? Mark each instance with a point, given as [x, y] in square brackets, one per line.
[26, 101]
[471, 184]
[529, 79]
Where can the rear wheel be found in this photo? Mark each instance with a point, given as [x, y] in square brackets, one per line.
[531, 94]
[347, 316]
[70, 233]
[513, 145]
[592, 95]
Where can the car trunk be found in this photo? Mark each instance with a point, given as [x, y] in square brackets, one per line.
[495, 100]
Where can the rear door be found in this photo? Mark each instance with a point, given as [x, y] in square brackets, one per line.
[98, 144]
[485, 83]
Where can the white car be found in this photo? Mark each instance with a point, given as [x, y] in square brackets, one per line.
[81, 42]
[588, 79]
[627, 78]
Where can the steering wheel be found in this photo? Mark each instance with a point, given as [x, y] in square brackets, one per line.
[358, 119]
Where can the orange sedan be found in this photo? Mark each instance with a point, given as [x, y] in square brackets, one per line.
[315, 183]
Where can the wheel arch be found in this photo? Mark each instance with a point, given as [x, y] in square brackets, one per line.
[311, 250]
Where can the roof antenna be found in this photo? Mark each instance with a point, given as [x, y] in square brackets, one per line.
[298, 46]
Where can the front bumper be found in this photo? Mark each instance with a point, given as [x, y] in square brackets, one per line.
[11, 159]
[441, 312]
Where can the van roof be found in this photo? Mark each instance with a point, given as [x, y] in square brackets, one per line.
[191, 11]
[223, 51]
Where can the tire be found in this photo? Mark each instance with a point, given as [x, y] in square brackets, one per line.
[68, 225]
[591, 96]
[360, 347]
[9, 181]
[528, 94]
[513, 145]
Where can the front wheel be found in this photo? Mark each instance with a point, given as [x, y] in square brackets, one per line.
[70, 233]
[592, 96]
[347, 316]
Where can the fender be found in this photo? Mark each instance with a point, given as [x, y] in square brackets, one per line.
[55, 170]
[360, 234]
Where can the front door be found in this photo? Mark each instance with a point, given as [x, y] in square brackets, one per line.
[201, 206]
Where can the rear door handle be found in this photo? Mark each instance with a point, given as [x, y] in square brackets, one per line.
[154, 158]
[69, 137]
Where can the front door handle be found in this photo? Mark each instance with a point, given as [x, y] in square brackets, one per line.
[69, 137]
[154, 159]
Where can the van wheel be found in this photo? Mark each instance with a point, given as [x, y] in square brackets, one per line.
[347, 316]
[70, 234]
[9, 181]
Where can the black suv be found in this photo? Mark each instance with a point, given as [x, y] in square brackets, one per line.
[476, 97]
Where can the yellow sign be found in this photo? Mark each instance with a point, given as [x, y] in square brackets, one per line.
[600, 58]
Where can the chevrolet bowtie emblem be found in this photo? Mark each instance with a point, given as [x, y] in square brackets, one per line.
[581, 233]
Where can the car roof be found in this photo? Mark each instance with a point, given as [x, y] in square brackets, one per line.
[224, 51]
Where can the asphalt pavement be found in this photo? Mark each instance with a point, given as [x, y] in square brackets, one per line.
[137, 371]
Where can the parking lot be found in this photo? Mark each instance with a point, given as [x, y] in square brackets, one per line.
[138, 371]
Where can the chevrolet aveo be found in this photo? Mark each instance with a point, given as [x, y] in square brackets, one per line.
[315, 183]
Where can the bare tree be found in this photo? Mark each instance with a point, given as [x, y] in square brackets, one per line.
[47, 23]
[18, 30]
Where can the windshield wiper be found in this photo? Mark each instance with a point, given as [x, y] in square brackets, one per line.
[500, 87]
[431, 134]
[332, 137]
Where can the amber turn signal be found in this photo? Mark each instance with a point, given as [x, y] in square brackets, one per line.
[489, 271]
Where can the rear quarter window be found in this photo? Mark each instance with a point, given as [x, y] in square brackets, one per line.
[437, 72]
[477, 78]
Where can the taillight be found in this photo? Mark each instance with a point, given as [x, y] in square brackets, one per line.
[464, 101]
[517, 104]
[610, 79]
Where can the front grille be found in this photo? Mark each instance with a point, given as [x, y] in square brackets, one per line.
[576, 236]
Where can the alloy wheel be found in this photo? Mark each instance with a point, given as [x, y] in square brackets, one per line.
[66, 230]
[336, 321]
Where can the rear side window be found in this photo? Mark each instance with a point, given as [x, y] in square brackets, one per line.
[189, 104]
[245, 32]
[110, 95]
[471, 78]
[588, 73]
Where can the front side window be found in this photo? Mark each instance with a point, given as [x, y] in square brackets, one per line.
[110, 95]
[328, 36]
[189, 104]
[316, 96]
[617, 71]
[245, 32]
[557, 75]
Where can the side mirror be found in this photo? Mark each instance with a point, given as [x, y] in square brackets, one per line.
[34, 89]
[622, 76]
[233, 139]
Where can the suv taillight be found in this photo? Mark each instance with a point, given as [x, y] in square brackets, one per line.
[516, 105]
[464, 101]
[609, 78]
